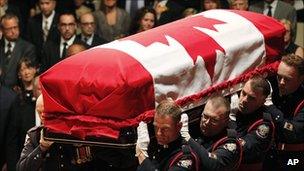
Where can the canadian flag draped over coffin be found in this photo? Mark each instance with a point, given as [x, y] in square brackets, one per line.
[99, 91]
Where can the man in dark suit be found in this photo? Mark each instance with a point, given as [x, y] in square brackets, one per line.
[54, 52]
[6, 7]
[88, 27]
[13, 48]
[7, 98]
[131, 6]
[43, 27]
[168, 11]
[277, 9]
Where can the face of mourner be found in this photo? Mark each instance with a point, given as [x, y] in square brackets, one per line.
[166, 129]
[213, 120]
[87, 24]
[147, 22]
[250, 100]
[10, 29]
[67, 26]
[288, 79]
[239, 5]
[26, 73]
[47, 6]
[210, 4]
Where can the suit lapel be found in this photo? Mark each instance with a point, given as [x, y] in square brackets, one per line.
[278, 10]
[260, 7]
[94, 40]
[39, 24]
[53, 27]
[2, 54]
[15, 55]
[58, 50]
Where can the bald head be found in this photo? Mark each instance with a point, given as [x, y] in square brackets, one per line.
[75, 48]
[40, 107]
[87, 24]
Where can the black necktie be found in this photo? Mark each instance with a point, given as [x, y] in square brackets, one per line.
[269, 11]
[8, 56]
[64, 50]
[8, 51]
[85, 39]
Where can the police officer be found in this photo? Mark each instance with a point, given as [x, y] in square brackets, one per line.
[254, 126]
[217, 151]
[170, 152]
[288, 97]
[40, 154]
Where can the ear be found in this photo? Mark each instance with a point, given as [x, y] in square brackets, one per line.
[179, 126]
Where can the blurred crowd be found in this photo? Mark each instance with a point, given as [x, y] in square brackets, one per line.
[36, 34]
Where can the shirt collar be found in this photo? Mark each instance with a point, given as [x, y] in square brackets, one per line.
[69, 42]
[90, 37]
[50, 18]
[164, 2]
[12, 43]
[273, 4]
[176, 143]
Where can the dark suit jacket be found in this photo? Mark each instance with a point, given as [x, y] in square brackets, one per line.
[21, 119]
[51, 54]
[35, 32]
[96, 40]
[282, 11]
[63, 6]
[173, 13]
[7, 98]
[21, 49]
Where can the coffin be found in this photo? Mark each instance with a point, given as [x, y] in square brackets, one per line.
[100, 95]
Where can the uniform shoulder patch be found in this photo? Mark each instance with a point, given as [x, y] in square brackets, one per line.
[288, 126]
[262, 131]
[212, 155]
[185, 163]
[230, 147]
[242, 141]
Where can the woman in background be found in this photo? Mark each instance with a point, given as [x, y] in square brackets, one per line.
[144, 19]
[22, 115]
[112, 22]
[290, 46]
[211, 4]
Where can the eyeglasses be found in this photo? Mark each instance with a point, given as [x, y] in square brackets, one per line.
[87, 23]
[67, 25]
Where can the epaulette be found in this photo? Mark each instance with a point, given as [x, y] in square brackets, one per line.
[34, 129]
[267, 117]
[231, 133]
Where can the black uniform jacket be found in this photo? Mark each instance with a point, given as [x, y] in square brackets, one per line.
[224, 157]
[161, 157]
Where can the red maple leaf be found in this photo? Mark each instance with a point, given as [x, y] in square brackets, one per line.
[194, 41]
